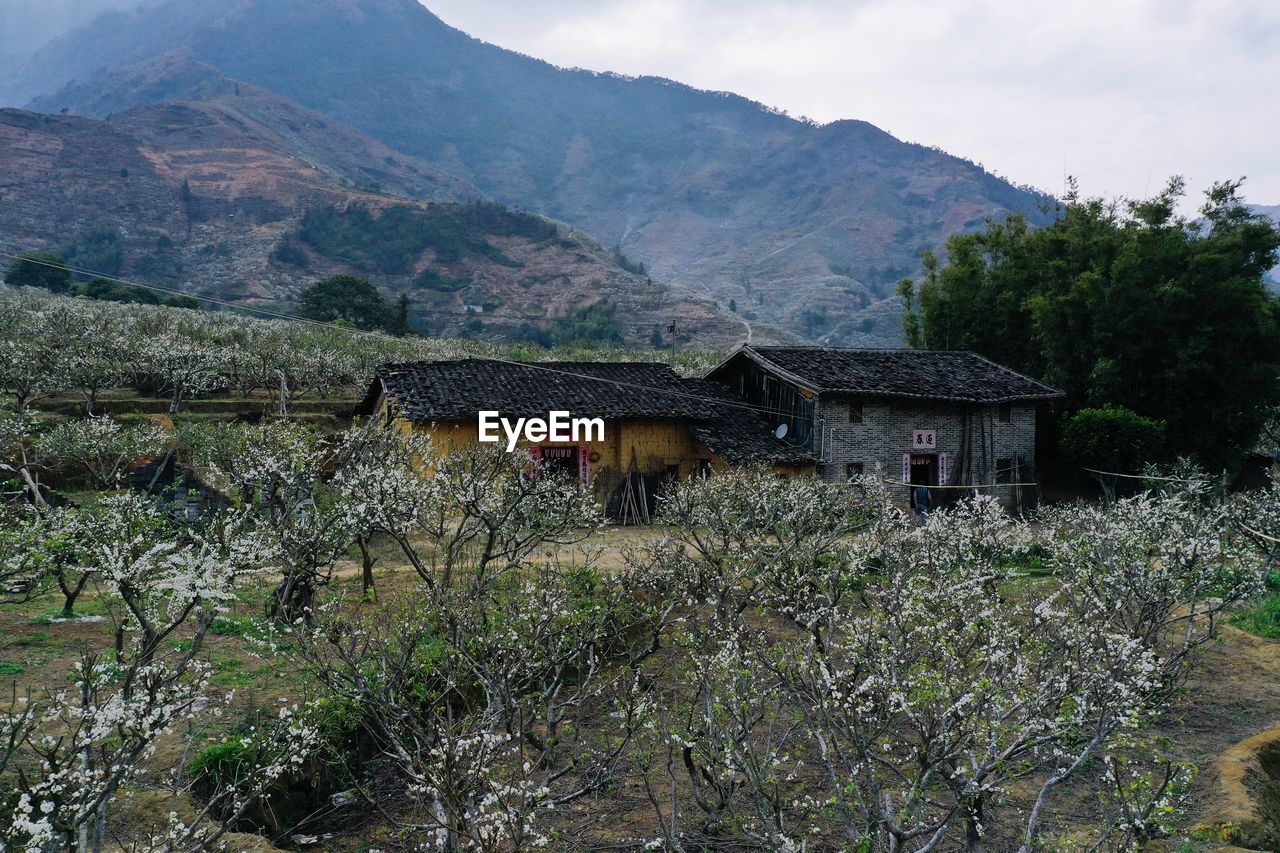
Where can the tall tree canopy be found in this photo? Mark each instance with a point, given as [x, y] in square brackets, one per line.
[36, 270]
[348, 298]
[1125, 304]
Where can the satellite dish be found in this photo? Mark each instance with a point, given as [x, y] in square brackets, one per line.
[781, 431]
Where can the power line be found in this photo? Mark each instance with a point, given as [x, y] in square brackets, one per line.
[391, 338]
[973, 487]
[172, 292]
[1205, 479]
[238, 306]
[481, 315]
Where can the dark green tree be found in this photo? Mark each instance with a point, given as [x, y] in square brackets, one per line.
[99, 249]
[1123, 304]
[347, 298]
[400, 326]
[1112, 441]
[188, 302]
[112, 291]
[35, 270]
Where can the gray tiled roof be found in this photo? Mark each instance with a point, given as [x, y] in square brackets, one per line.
[925, 374]
[426, 391]
[740, 434]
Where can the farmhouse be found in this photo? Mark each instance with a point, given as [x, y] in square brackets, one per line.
[657, 426]
[934, 418]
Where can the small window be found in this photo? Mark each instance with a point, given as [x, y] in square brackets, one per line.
[855, 411]
[1005, 414]
[853, 470]
[1004, 471]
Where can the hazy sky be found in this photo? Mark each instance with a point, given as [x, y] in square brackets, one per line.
[1123, 93]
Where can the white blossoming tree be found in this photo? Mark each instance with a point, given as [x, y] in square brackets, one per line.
[465, 519]
[90, 352]
[20, 457]
[477, 708]
[182, 365]
[938, 681]
[79, 746]
[103, 448]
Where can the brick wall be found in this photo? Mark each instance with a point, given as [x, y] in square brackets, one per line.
[885, 434]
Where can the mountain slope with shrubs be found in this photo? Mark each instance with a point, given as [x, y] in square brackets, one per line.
[252, 200]
[806, 227]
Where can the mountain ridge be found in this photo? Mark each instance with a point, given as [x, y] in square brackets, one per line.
[804, 226]
[190, 194]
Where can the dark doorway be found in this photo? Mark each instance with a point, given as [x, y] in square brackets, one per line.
[924, 469]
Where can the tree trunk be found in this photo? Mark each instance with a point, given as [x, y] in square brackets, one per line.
[292, 599]
[366, 578]
[33, 488]
[70, 592]
[975, 825]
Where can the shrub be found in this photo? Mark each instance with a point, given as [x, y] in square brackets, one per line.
[1114, 440]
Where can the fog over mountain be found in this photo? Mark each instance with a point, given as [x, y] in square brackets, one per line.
[28, 25]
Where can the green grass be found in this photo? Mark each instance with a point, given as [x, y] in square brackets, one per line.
[87, 605]
[1261, 617]
[229, 625]
[10, 668]
[33, 639]
[238, 673]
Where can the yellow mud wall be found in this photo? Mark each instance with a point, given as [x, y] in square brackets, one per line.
[656, 444]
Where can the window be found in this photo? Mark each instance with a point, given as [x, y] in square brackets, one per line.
[853, 470]
[855, 411]
[1005, 413]
[1004, 471]
[560, 460]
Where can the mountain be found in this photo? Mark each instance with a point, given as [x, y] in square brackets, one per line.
[806, 228]
[28, 25]
[250, 198]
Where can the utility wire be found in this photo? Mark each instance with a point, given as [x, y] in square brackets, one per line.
[525, 364]
[969, 488]
[1145, 477]
[1259, 534]
[172, 292]
[237, 306]
[391, 338]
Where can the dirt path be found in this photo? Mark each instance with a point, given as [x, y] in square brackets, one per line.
[1233, 696]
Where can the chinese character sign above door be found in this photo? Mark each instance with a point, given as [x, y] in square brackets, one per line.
[924, 439]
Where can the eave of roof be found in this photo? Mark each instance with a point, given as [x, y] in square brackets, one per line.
[458, 390]
[760, 357]
[740, 434]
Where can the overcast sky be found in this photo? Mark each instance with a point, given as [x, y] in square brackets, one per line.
[1120, 93]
